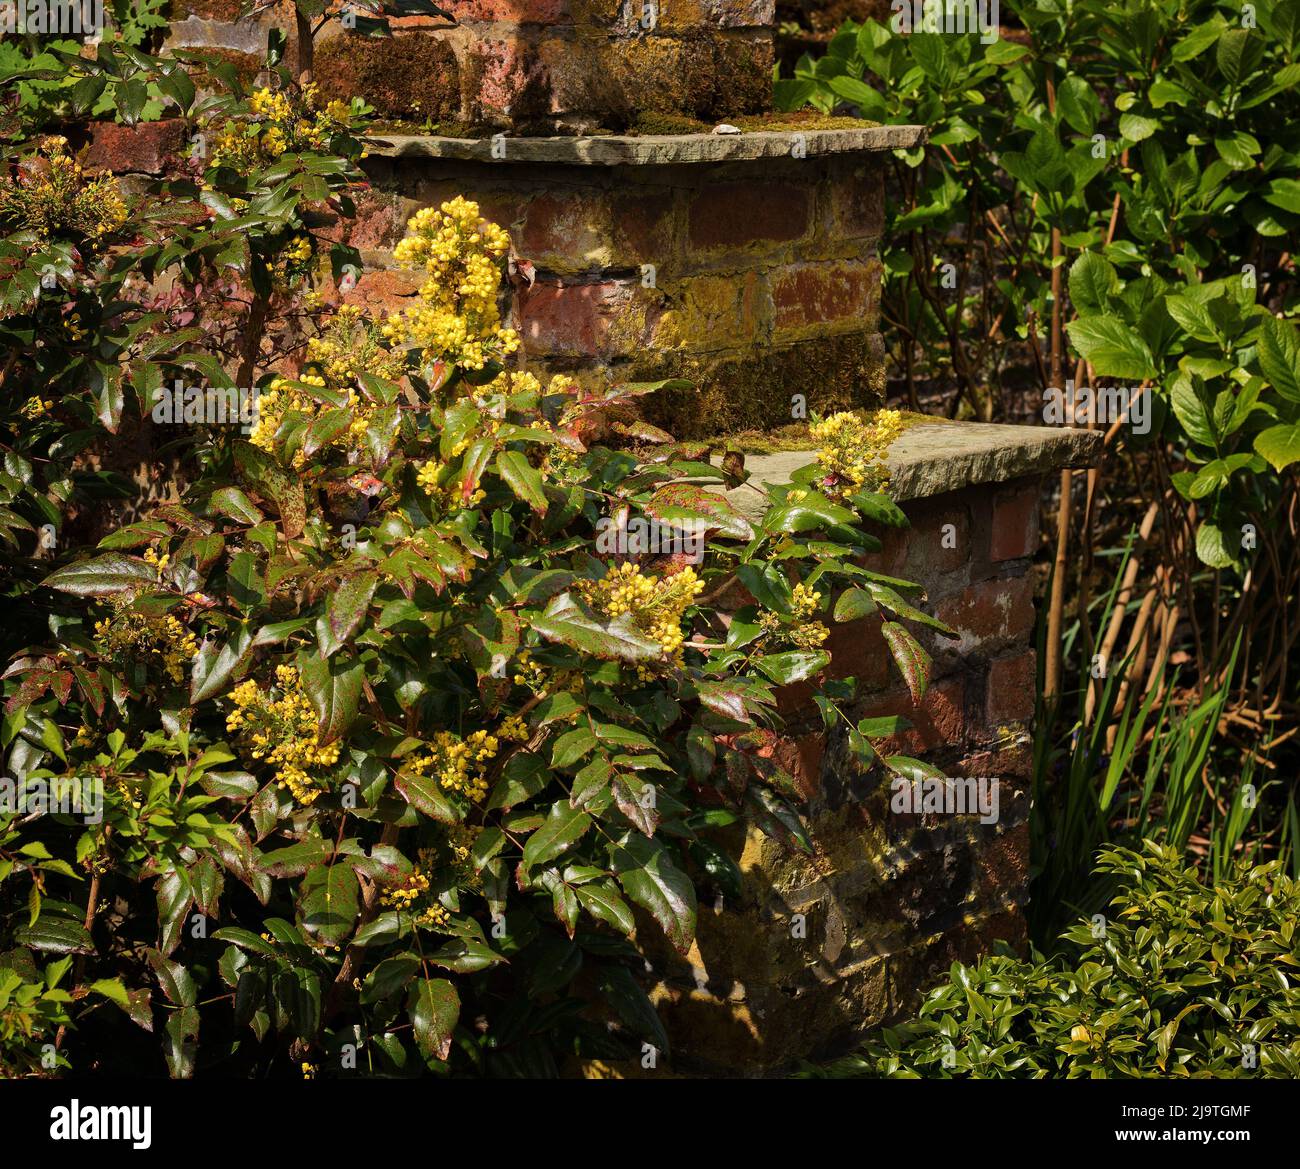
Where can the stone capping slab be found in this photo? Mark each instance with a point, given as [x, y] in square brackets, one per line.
[653, 149]
[930, 458]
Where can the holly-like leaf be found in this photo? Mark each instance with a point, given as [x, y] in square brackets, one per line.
[435, 1007]
[651, 878]
[912, 659]
[334, 687]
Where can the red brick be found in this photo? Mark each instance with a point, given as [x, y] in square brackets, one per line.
[858, 651]
[512, 80]
[149, 148]
[917, 552]
[816, 294]
[1010, 690]
[567, 226]
[379, 221]
[992, 611]
[1015, 524]
[1004, 863]
[802, 758]
[1015, 763]
[643, 225]
[587, 320]
[733, 215]
[385, 291]
[858, 205]
[938, 721]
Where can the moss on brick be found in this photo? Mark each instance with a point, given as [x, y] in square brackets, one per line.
[402, 77]
[657, 123]
[753, 390]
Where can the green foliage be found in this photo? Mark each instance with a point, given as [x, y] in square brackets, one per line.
[396, 760]
[1178, 978]
[1159, 140]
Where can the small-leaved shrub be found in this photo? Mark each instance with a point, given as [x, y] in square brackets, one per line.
[1177, 978]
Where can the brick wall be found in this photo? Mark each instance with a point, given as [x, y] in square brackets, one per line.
[534, 66]
[888, 900]
[753, 280]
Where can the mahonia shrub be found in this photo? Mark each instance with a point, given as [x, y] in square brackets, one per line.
[1178, 978]
[398, 753]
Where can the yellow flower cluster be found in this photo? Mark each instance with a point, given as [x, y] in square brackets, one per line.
[853, 450]
[459, 765]
[299, 251]
[404, 895]
[281, 121]
[528, 672]
[34, 407]
[655, 603]
[801, 631]
[280, 729]
[162, 642]
[51, 196]
[457, 320]
[347, 348]
[350, 346]
[513, 729]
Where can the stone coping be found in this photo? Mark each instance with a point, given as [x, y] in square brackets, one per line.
[652, 149]
[932, 457]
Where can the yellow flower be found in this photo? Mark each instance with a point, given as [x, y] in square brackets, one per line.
[163, 642]
[34, 407]
[278, 726]
[457, 319]
[656, 604]
[853, 451]
[56, 199]
[459, 765]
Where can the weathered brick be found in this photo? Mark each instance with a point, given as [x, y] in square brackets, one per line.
[709, 313]
[568, 231]
[1010, 691]
[643, 226]
[148, 148]
[414, 75]
[857, 204]
[802, 758]
[989, 614]
[858, 651]
[582, 319]
[935, 545]
[938, 721]
[816, 296]
[1003, 864]
[385, 291]
[737, 215]
[513, 80]
[1015, 523]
